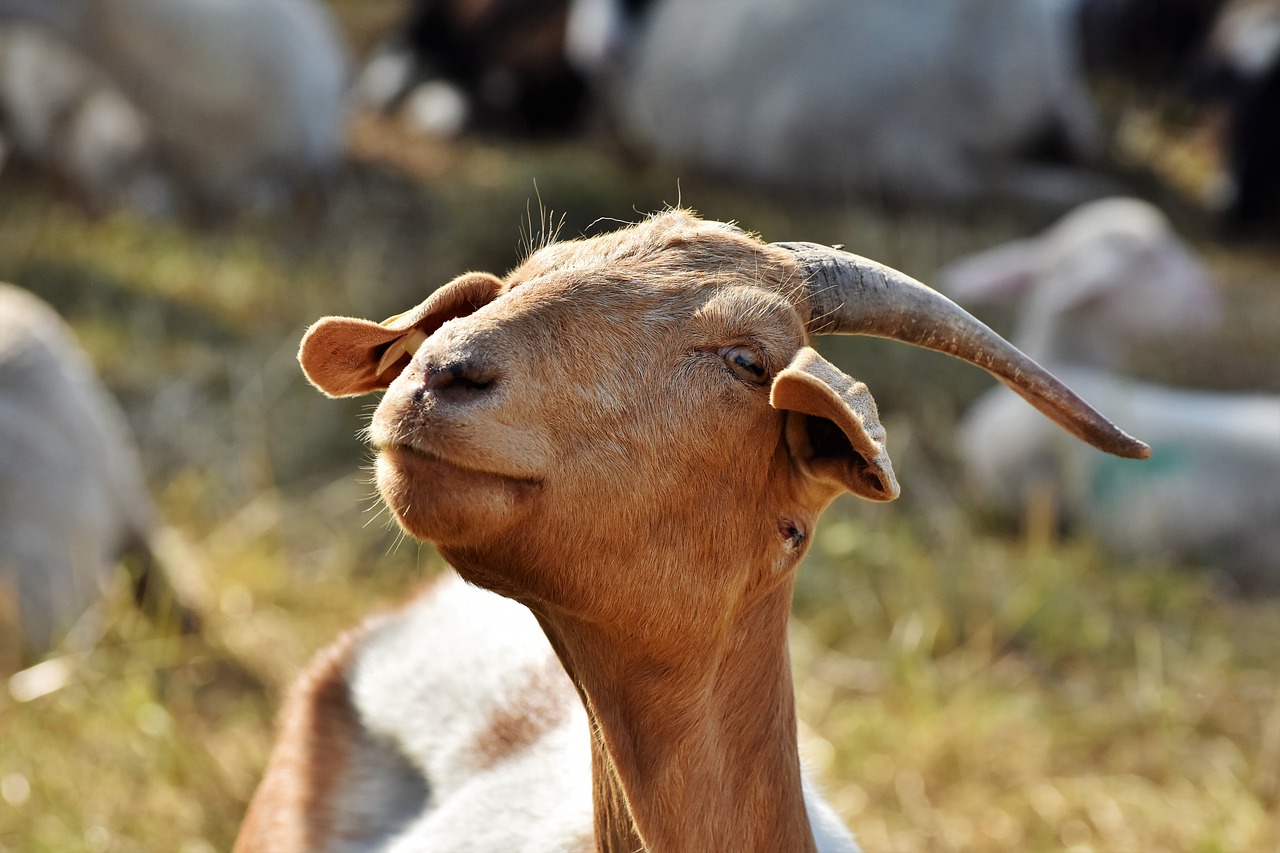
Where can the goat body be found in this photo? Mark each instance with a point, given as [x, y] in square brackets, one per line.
[64, 115]
[923, 100]
[460, 687]
[630, 436]
[72, 497]
[1209, 495]
[1223, 52]
[478, 64]
[1241, 67]
[243, 98]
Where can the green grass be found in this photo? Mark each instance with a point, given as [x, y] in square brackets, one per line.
[987, 694]
[963, 687]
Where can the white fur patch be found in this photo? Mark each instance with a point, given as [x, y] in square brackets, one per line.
[428, 684]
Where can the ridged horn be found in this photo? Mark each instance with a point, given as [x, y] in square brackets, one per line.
[847, 294]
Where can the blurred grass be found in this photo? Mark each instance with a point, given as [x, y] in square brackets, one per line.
[962, 687]
[978, 694]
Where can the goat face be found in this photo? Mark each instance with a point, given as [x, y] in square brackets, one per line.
[647, 397]
[646, 391]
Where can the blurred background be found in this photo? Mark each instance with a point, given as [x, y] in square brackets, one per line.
[1035, 648]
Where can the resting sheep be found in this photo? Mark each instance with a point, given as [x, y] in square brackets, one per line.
[1107, 278]
[1225, 53]
[1103, 280]
[1240, 66]
[62, 114]
[631, 436]
[72, 498]
[488, 65]
[242, 99]
[920, 100]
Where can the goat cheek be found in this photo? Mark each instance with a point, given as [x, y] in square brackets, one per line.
[395, 485]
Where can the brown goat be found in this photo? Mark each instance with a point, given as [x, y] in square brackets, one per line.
[631, 436]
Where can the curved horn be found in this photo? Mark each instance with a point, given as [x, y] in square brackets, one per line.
[848, 294]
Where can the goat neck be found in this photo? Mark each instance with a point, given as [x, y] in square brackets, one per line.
[695, 750]
[687, 685]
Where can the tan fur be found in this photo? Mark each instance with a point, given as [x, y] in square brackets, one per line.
[587, 442]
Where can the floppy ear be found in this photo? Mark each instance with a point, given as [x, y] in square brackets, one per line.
[833, 430]
[344, 356]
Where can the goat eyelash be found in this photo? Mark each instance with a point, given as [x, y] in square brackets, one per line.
[712, 353]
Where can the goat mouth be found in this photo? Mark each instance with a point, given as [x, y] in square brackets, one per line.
[402, 453]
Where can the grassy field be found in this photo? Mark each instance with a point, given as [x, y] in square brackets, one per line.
[962, 686]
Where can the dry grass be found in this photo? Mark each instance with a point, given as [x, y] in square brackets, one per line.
[962, 688]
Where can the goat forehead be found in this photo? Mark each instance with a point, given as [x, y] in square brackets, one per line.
[671, 249]
[619, 299]
[650, 279]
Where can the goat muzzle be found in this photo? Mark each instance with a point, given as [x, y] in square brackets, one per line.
[848, 294]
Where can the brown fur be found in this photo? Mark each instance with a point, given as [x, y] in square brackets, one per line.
[537, 707]
[585, 443]
[318, 725]
[630, 435]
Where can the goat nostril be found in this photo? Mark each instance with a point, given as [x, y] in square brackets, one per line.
[459, 377]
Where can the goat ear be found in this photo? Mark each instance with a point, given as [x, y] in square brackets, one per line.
[345, 356]
[833, 430]
[1003, 272]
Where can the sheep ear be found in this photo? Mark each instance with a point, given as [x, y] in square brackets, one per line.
[833, 430]
[345, 356]
[1003, 272]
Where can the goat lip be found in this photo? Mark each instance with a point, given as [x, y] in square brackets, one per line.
[402, 451]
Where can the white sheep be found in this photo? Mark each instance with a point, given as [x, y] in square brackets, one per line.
[72, 497]
[1107, 278]
[477, 65]
[927, 100]
[1241, 66]
[631, 436]
[63, 114]
[244, 99]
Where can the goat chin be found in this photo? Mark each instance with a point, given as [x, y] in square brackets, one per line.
[442, 502]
